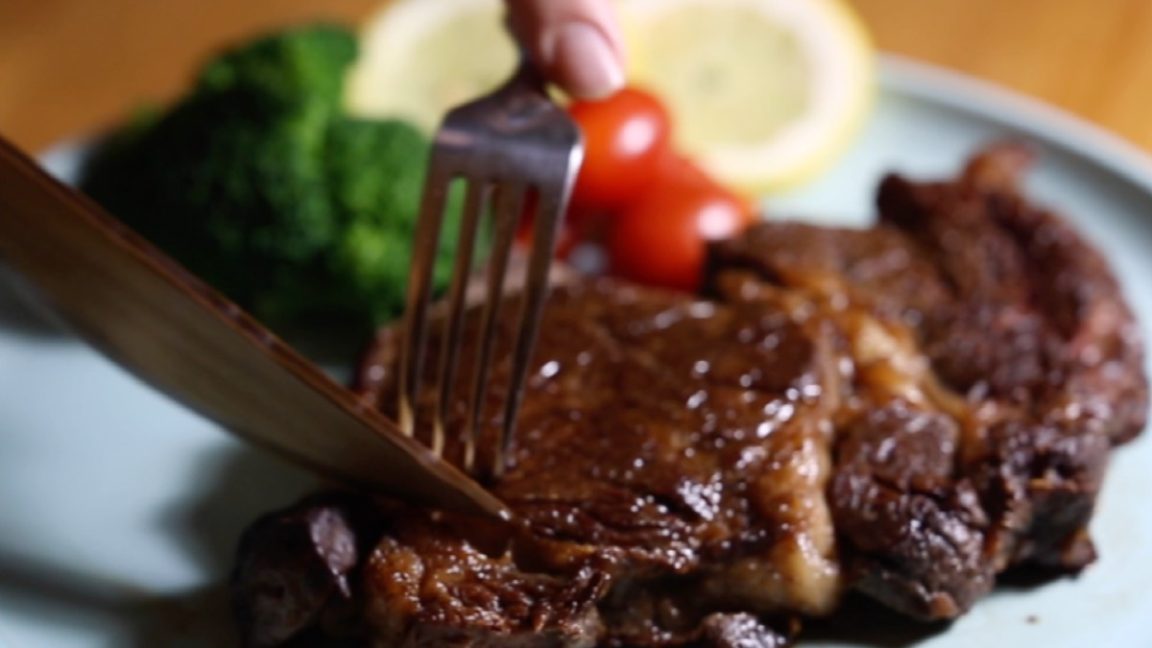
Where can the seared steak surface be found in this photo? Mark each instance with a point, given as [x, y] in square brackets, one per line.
[665, 444]
[906, 410]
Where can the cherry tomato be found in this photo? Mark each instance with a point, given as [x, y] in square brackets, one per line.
[661, 238]
[567, 235]
[566, 239]
[625, 140]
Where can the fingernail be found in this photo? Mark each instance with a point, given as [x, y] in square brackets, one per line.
[584, 61]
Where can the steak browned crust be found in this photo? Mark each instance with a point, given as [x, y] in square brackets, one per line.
[906, 410]
[640, 461]
[1035, 368]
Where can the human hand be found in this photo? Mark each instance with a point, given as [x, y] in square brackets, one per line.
[576, 43]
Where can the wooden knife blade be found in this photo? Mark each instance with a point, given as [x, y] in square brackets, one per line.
[153, 317]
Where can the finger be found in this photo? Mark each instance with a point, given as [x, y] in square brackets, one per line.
[576, 43]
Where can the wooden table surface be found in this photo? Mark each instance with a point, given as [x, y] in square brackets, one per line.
[73, 66]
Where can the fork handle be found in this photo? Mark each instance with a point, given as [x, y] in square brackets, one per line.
[526, 76]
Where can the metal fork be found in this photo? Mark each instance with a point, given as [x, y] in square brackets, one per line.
[508, 146]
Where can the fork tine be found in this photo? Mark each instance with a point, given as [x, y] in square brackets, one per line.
[519, 141]
[474, 203]
[419, 292]
[550, 209]
[509, 201]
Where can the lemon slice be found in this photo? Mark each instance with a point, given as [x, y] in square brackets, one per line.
[419, 58]
[764, 93]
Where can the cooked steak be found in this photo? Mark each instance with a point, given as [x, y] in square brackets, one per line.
[639, 472]
[1035, 362]
[906, 410]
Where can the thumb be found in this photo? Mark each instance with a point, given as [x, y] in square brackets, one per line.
[575, 43]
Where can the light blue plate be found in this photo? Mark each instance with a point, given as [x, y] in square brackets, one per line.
[119, 510]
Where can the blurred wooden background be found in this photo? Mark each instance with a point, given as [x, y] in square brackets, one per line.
[72, 66]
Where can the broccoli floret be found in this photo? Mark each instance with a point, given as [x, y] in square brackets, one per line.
[287, 70]
[258, 182]
[374, 250]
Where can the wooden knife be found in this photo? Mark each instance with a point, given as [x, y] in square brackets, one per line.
[153, 317]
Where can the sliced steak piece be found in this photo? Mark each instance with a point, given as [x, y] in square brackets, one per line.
[425, 586]
[665, 463]
[916, 535]
[907, 410]
[1055, 335]
[669, 467]
[296, 567]
[1032, 354]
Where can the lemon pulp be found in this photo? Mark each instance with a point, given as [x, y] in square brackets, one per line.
[764, 93]
[422, 57]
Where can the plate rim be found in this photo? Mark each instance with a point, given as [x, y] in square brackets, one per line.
[998, 104]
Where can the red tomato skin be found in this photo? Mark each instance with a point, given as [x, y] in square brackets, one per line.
[567, 238]
[661, 239]
[577, 226]
[626, 137]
